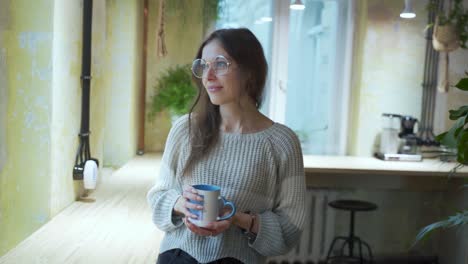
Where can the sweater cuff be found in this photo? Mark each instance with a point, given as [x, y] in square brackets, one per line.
[267, 242]
[164, 214]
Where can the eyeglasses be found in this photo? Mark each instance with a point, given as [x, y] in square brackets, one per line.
[220, 66]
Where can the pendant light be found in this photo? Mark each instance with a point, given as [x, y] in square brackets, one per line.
[408, 11]
[297, 5]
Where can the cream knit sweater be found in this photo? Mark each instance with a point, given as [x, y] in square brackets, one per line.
[261, 172]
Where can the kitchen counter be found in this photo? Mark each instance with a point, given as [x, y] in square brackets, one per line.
[357, 172]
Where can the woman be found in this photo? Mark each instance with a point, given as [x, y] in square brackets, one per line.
[226, 141]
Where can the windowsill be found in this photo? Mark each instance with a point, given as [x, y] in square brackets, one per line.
[371, 165]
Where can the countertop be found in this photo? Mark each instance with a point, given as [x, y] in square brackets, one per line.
[371, 165]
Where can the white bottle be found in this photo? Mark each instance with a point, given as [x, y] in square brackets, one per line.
[90, 174]
[389, 140]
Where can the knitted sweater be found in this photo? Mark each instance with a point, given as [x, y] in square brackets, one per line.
[261, 172]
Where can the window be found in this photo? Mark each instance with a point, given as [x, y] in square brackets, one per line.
[309, 70]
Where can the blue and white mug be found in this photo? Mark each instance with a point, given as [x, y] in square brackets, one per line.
[212, 203]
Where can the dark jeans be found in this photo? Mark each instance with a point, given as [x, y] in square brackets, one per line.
[178, 256]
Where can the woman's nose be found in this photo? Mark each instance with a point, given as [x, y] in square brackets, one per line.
[210, 73]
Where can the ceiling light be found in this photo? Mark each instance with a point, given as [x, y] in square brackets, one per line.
[408, 11]
[297, 5]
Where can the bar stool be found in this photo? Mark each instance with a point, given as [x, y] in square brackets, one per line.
[353, 206]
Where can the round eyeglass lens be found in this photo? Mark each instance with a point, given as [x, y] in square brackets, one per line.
[198, 67]
[221, 65]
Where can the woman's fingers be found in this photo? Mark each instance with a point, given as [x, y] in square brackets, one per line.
[190, 193]
[192, 196]
[195, 206]
[219, 227]
[181, 207]
[198, 230]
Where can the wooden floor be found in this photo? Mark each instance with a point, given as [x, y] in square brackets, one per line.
[115, 228]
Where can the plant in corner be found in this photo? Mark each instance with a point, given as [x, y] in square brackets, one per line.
[457, 138]
[174, 92]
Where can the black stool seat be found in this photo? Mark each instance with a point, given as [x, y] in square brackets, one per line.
[353, 205]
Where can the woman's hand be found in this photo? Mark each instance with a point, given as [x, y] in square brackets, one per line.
[183, 204]
[212, 229]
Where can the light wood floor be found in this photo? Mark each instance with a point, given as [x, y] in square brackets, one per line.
[115, 228]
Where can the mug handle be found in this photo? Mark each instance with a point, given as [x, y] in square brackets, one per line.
[225, 202]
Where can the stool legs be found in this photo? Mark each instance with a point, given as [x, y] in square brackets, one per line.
[350, 240]
[371, 258]
[333, 244]
[351, 234]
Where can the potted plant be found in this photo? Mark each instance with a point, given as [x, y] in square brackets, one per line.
[450, 27]
[457, 138]
[449, 33]
[174, 92]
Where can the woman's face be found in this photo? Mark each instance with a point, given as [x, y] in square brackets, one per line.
[222, 89]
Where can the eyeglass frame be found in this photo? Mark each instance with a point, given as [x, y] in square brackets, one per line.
[209, 66]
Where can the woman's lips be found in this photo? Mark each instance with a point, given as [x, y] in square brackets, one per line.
[214, 89]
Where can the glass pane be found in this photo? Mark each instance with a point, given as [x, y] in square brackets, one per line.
[256, 15]
[313, 68]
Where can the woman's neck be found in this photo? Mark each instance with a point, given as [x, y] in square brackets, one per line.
[242, 118]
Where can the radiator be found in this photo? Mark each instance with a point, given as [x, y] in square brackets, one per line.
[319, 230]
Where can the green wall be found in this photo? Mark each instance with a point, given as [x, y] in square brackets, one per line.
[4, 18]
[40, 110]
[40, 97]
[25, 178]
[67, 92]
[124, 34]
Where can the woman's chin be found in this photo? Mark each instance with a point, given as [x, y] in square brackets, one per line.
[216, 101]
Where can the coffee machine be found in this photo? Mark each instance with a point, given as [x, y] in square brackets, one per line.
[398, 140]
[409, 144]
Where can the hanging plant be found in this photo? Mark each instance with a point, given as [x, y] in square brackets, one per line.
[450, 32]
[451, 26]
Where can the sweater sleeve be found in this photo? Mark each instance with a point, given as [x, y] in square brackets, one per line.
[167, 189]
[281, 227]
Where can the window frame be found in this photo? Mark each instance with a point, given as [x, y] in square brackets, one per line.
[279, 75]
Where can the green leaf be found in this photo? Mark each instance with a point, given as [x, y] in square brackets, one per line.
[458, 219]
[455, 114]
[449, 138]
[439, 138]
[462, 84]
[462, 150]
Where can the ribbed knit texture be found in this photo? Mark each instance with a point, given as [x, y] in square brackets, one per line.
[261, 172]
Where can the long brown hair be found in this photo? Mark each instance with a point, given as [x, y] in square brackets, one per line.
[245, 49]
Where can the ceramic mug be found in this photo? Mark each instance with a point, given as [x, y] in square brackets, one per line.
[212, 204]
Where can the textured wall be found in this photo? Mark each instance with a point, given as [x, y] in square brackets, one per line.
[67, 92]
[4, 22]
[388, 68]
[24, 180]
[40, 109]
[182, 43]
[123, 76]
[3, 98]
[388, 71]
